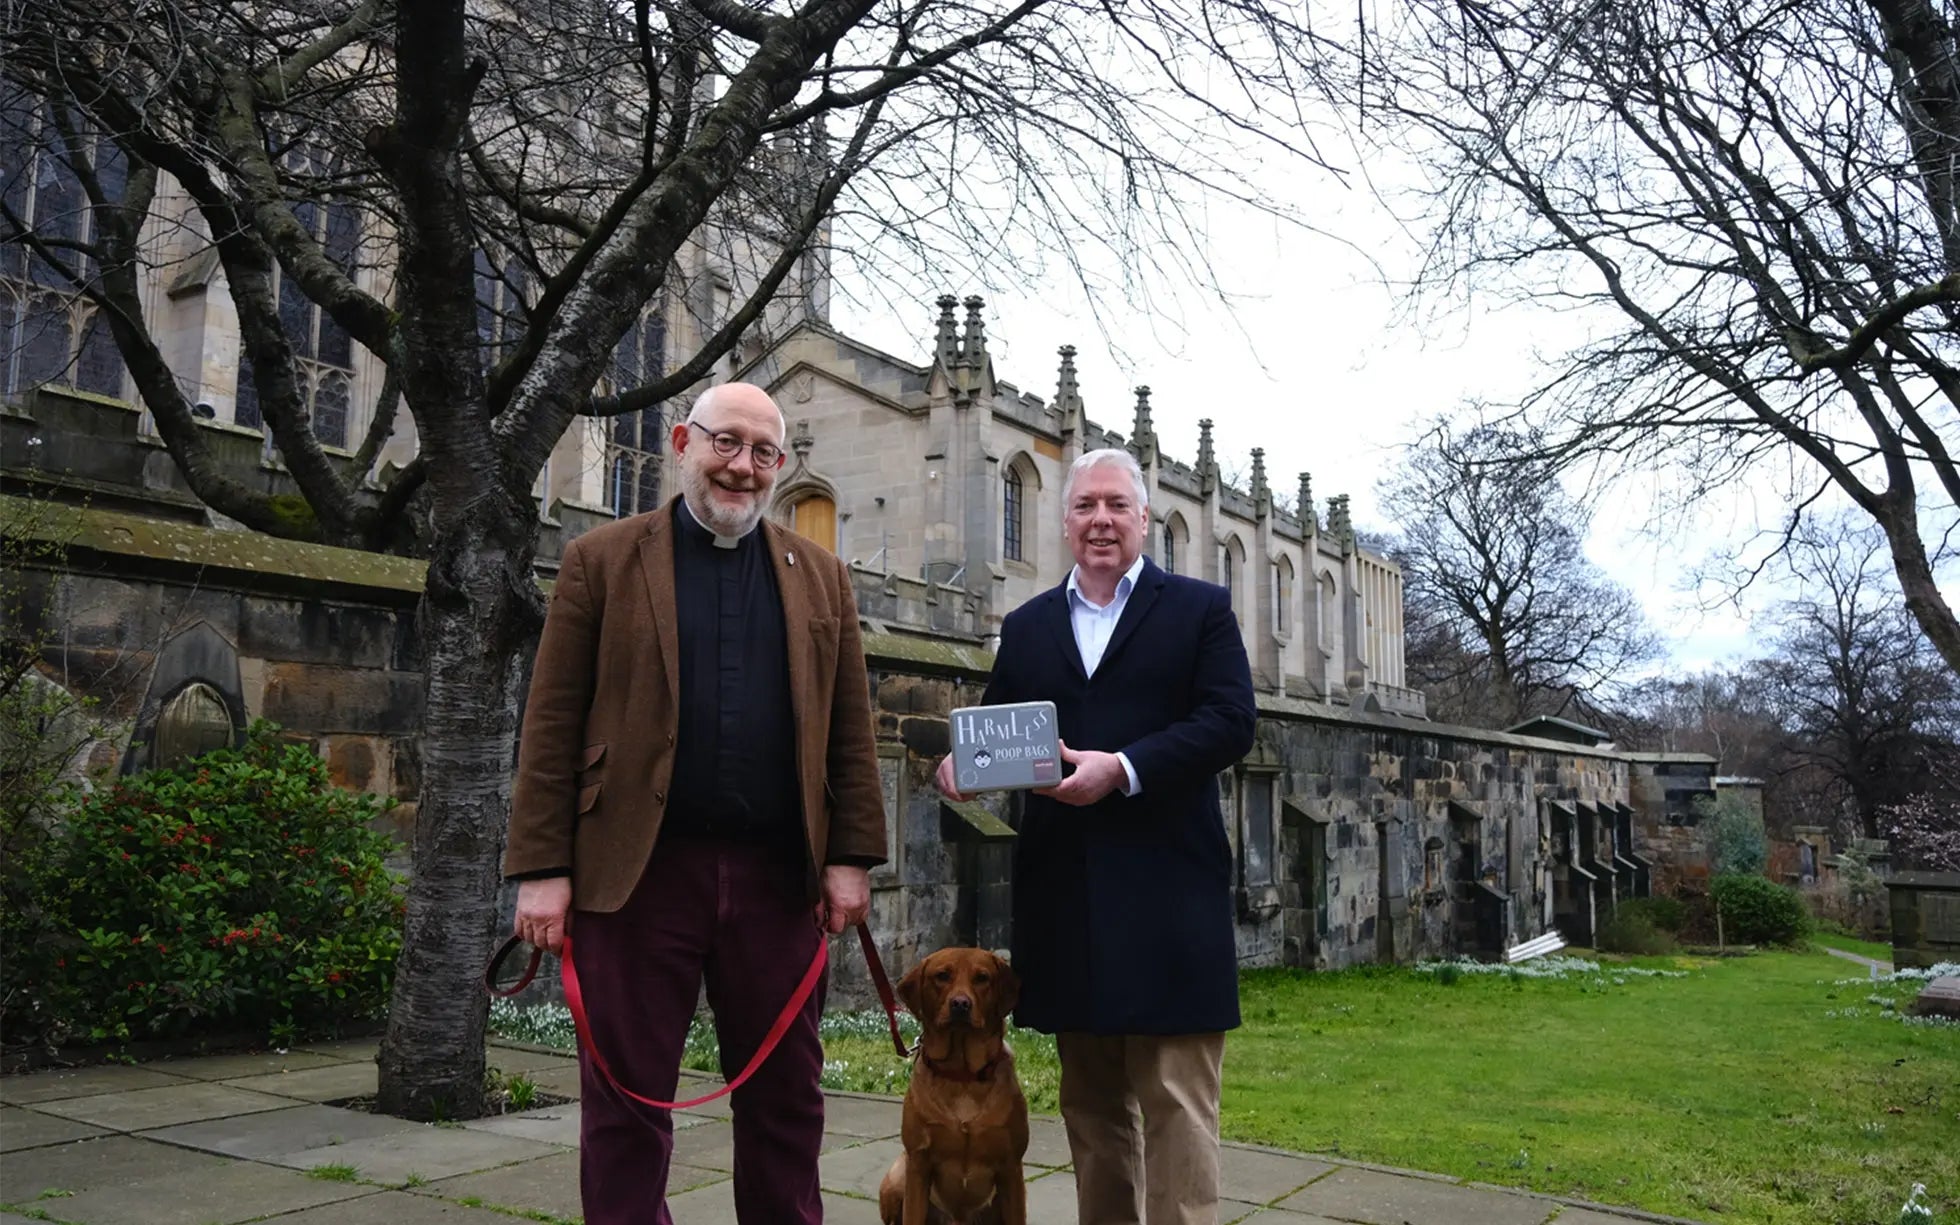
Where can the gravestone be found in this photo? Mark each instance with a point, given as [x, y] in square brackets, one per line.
[1941, 998]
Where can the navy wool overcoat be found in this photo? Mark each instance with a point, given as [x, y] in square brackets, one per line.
[1123, 920]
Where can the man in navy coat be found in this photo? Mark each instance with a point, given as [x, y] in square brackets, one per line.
[1123, 926]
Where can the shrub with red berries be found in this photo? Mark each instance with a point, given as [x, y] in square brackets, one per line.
[239, 890]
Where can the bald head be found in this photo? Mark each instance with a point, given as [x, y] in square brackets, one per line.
[736, 399]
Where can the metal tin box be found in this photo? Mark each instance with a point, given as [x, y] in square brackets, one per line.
[1006, 748]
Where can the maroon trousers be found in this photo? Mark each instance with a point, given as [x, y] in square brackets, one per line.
[737, 917]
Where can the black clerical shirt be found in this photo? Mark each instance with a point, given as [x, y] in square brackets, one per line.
[735, 772]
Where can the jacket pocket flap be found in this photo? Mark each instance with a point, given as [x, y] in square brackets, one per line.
[590, 757]
[588, 796]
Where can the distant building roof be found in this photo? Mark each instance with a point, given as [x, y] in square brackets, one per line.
[1736, 780]
[1548, 727]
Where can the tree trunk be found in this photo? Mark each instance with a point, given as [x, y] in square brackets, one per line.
[1924, 600]
[481, 607]
[473, 621]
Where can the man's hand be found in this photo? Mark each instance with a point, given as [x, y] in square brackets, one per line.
[846, 897]
[944, 779]
[544, 911]
[1096, 775]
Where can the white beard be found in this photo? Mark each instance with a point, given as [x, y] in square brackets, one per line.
[695, 488]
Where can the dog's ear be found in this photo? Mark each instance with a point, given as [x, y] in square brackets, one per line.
[908, 990]
[1007, 993]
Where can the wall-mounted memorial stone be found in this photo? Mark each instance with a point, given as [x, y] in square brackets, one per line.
[195, 702]
[192, 723]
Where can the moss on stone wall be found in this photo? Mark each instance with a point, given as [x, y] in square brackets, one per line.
[963, 659]
[192, 545]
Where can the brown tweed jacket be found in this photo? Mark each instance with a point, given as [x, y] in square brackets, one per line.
[597, 750]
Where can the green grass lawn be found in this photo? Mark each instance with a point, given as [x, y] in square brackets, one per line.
[1752, 1089]
[1776, 1088]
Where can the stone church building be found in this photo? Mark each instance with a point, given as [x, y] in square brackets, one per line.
[942, 483]
[1361, 830]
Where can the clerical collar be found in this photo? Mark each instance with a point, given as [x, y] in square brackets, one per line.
[688, 518]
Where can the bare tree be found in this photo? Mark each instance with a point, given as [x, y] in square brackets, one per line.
[1507, 616]
[567, 154]
[1862, 696]
[1766, 195]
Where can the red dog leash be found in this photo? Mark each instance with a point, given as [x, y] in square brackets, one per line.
[575, 1001]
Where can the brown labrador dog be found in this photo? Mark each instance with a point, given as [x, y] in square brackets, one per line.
[965, 1121]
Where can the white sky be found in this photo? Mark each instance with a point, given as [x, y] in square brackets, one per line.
[1320, 362]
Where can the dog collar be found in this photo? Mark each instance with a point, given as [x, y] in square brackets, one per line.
[960, 1073]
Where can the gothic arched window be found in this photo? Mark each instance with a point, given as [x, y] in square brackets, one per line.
[1013, 508]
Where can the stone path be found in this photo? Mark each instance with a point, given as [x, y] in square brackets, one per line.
[1876, 968]
[235, 1138]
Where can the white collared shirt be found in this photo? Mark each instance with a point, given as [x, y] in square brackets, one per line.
[1094, 627]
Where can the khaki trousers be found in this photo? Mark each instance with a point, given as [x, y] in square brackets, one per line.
[1142, 1119]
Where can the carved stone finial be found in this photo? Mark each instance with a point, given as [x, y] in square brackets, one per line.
[1206, 460]
[1143, 436]
[1339, 524]
[946, 344]
[1259, 487]
[1068, 395]
[1309, 517]
[973, 347]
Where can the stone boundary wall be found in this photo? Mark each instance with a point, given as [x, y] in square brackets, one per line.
[1357, 836]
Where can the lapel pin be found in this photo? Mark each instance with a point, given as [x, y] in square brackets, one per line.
[790, 558]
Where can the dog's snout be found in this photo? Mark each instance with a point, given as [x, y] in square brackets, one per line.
[960, 1005]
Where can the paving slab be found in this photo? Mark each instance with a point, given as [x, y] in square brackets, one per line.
[1394, 1199]
[352, 1050]
[714, 1204]
[322, 1084]
[425, 1151]
[871, 1118]
[396, 1208]
[1280, 1216]
[562, 1081]
[233, 1067]
[1051, 1199]
[1048, 1144]
[142, 1109]
[275, 1133]
[694, 1084]
[548, 1184]
[22, 1129]
[106, 1162]
[240, 1191]
[546, 1125]
[545, 1184]
[1260, 1176]
[710, 1146]
[8, 1218]
[509, 1059]
[858, 1170]
[1590, 1216]
[33, 1087]
[683, 1178]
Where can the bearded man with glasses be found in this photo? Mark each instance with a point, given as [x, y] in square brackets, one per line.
[696, 781]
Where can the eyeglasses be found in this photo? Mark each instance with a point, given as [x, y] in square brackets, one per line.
[728, 446]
